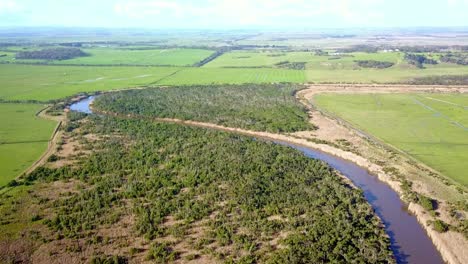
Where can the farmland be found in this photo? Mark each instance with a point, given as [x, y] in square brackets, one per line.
[43, 83]
[430, 127]
[143, 56]
[272, 57]
[197, 76]
[23, 138]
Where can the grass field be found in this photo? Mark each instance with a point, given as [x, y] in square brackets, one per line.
[390, 75]
[33, 82]
[173, 57]
[189, 76]
[270, 58]
[433, 128]
[23, 138]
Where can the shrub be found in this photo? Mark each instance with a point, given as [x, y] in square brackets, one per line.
[440, 226]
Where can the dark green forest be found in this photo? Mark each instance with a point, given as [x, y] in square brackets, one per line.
[271, 108]
[256, 202]
[51, 54]
[374, 64]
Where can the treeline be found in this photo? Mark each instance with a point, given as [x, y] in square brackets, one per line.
[457, 58]
[291, 65]
[374, 64]
[212, 57]
[440, 80]
[51, 54]
[419, 60]
[243, 194]
[266, 107]
[407, 49]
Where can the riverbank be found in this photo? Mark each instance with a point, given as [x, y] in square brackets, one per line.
[373, 157]
[451, 244]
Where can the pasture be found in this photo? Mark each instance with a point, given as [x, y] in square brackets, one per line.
[135, 56]
[432, 128]
[195, 76]
[43, 83]
[23, 138]
[270, 58]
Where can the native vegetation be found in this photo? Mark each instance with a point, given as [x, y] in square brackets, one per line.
[270, 108]
[374, 64]
[231, 198]
[51, 54]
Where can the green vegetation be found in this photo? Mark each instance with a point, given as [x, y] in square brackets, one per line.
[51, 54]
[44, 83]
[457, 58]
[23, 138]
[441, 80]
[419, 60]
[164, 57]
[374, 64]
[270, 108]
[440, 226]
[264, 202]
[430, 127]
[199, 76]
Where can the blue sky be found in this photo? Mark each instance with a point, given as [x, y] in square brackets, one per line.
[219, 14]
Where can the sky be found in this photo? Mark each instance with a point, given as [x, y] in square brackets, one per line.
[238, 14]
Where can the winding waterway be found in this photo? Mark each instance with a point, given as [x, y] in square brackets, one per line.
[409, 241]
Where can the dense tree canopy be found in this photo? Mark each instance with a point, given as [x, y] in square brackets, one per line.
[51, 54]
[259, 107]
[263, 202]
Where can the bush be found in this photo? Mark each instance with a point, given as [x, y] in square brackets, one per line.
[440, 226]
[426, 202]
[374, 64]
[162, 253]
[51, 54]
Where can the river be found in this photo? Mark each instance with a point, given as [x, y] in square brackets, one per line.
[409, 241]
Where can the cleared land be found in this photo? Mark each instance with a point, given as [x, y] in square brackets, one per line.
[23, 138]
[109, 56]
[433, 128]
[197, 76]
[33, 82]
[270, 58]
[339, 67]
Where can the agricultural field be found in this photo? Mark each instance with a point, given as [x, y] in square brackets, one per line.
[339, 67]
[198, 76]
[44, 83]
[23, 138]
[432, 128]
[270, 58]
[135, 56]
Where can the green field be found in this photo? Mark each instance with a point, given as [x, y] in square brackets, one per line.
[270, 58]
[190, 76]
[34, 82]
[23, 138]
[339, 68]
[108, 56]
[432, 128]
[122, 56]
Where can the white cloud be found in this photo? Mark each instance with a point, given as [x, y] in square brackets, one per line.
[9, 6]
[258, 12]
[137, 9]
